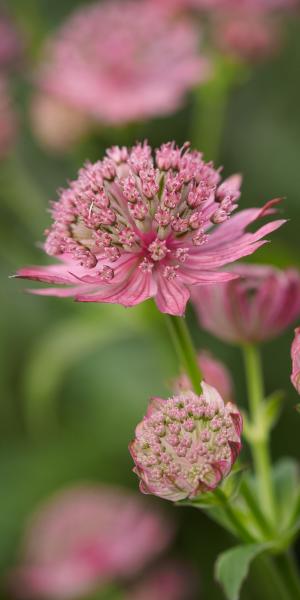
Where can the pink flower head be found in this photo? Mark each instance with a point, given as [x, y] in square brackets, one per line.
[256, 307]
[8, 120]
[120, 61]
[10, 42]
[214, 373]
[295, 351]
[132, 227]
[85, 537]
[186, 445]
[172, 580]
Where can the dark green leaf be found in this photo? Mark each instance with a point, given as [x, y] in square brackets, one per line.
[232, 567]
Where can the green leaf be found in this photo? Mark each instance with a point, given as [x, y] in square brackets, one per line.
[232, 567]
[272, 408]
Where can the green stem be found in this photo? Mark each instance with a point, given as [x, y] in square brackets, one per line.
[259, 444]
[185, 350]
[238, 526]
[269, 581]
[286, 567]
[259, 517]
[210, 105]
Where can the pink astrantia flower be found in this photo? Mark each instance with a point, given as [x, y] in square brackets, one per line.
[186, 445]
[172, 580]
[120, 61]
[132, 227]
[259, 305]
[295, 352]
[8, 120]
[85, 537]
[214, 373]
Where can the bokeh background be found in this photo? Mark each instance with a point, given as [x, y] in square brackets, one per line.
[75, 379]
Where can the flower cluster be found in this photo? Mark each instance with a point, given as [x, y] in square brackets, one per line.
[85, 537]
[131, 227]
[186, 445]
[121, 61]
[256, 307]
[295, 377]
[214, 373]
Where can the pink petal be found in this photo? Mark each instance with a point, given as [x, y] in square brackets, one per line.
[137, 288]
[171, 296]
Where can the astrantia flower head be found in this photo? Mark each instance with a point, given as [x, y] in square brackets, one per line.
[134, 226]
[85, 537]
[259, 305]
[215, 373]
[295, 351]
[186, 445]
[120, 61]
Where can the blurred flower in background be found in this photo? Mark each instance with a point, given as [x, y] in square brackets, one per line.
[8, 119]
[186, 445]
[215, 373]
[86, 537]
[249, 30]
[295, 351]
[171, 580]
[117, 62]
[131, 228]
[258, 306]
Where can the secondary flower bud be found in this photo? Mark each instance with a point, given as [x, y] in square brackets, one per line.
[295, 351]
[257, 306]
[186, 445]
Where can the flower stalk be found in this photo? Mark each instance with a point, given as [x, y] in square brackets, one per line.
[259, 441]
[185, 350]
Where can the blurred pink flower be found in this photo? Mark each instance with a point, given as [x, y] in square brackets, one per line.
[131, 228]
[85, 537]
[120, 61]
[11, 43]
[258, 306]
[56, 126]
[8, 120]
[172, 580]
[295, 351]
[214, 373]
[186, 445]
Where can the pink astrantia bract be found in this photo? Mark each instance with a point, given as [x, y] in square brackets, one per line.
[215, 373]
[186, 445]
[132, 227]
[11, 43]
[295, 352]
[85, 537]
[120, 61]
[258, 306]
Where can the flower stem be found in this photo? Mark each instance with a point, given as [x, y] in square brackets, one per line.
[259, 444]
[288, 570]
[239, 528]
[210, 104]
[185, 350]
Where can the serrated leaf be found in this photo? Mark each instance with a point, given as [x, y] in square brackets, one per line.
[232, 567]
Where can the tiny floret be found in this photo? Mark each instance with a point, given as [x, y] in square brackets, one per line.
[186, 445]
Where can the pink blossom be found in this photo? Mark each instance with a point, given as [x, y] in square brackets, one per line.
[11, 43]
[214, 373]
[259, 305]
[56, 126]
[186, 445]
[85, 537]
[172, 580]
[295, 352]
[132, 227]
[120, 61]
[8, 120]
